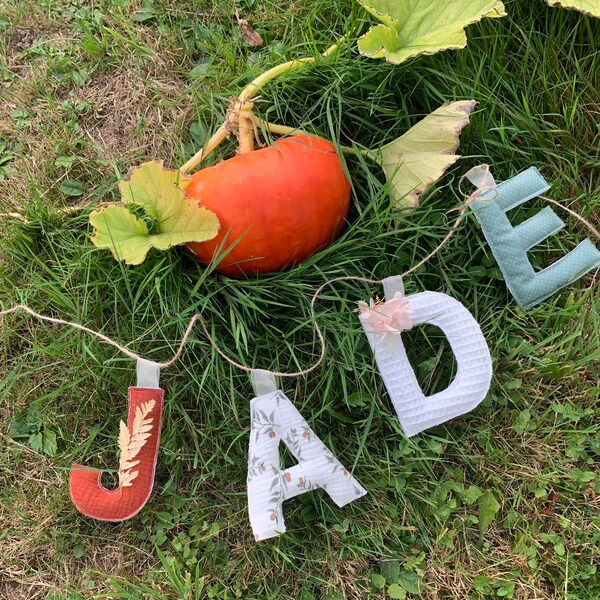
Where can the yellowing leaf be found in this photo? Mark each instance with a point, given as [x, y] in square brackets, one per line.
[145, 183]
[413, 27]
[589, 7]
[123, 233]
[159, 194]
[419, 157]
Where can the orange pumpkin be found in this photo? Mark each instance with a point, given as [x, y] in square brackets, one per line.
[277, 205]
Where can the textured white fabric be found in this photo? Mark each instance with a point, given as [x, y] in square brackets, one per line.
[481, 177]
[416, 411]
[148, 374]
[275, 420]
[263, 382]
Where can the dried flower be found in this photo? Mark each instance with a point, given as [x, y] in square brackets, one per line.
[392, 316]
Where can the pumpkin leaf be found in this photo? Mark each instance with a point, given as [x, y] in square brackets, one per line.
[588, 7]
[159, 194]
[148, 185]
[413, 27]
[420, 156]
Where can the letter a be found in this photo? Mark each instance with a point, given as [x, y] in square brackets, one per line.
[275, 420]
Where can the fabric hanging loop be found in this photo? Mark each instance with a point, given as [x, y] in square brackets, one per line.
[139, 442]
[148, 374]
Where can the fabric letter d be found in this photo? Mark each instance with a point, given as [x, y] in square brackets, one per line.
[416, 411]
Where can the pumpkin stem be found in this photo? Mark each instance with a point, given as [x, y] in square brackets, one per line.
[285, 130]
[252, 89]
[221, 134]
[230, 125]
[243, 103]
[247, 131]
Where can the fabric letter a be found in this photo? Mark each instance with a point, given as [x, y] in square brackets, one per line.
[276, 420]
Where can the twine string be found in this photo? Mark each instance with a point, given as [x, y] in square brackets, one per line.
[469, 199]
[197, 318]
[124, 349]
[585, 222]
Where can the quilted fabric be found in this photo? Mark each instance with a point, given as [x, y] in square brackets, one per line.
[275, 420]
[416, 411]
[87, 492]
[511, 244]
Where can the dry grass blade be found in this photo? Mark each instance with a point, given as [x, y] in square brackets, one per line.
[131, 443]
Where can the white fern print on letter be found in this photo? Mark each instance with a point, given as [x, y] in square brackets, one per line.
[131, 443]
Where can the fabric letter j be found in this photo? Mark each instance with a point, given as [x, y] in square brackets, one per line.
[139, 443]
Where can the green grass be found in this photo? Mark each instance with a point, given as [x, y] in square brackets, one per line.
[89, 83]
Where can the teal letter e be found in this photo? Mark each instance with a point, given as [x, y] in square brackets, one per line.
[510, 244]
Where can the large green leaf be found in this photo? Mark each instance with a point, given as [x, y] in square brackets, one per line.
[419, 157]
[413, 27]
[174, 218]
[147, 182]
[589, 7]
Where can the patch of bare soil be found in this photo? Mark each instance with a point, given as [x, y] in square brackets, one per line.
[133, 114]
[21, 38]
[24, 38]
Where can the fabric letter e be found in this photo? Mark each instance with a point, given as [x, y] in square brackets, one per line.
[511, 244]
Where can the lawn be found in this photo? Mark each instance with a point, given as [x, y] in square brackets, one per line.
[89, 89]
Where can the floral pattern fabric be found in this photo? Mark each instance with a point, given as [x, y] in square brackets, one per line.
[276, 420]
